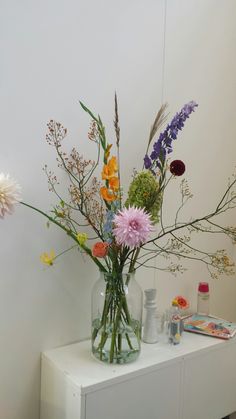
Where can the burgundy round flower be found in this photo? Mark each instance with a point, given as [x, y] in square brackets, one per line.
[177, 167]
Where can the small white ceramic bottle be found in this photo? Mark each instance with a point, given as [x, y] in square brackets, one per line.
[150, 334]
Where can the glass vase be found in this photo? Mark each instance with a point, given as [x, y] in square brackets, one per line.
[116, 318]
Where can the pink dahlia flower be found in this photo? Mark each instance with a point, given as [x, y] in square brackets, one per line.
[132, 227]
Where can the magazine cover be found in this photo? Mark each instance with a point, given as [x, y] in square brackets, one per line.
[209, 325]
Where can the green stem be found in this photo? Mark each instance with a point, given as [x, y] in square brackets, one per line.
[114, 331]
[128, 340]
[69, 233]
[134, 259]
[115, 313]
[119, 342]
[65, 251]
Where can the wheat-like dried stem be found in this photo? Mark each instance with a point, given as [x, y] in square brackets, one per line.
[116, 123]
[159, 120]
[117, 131]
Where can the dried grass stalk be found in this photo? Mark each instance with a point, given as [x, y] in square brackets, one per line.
[158, 122]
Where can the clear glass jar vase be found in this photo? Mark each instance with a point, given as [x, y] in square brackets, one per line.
[117, 302]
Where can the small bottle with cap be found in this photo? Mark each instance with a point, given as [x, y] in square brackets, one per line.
[203, 298]
[175, 324]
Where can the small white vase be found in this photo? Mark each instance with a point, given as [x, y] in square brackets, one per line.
[150, 334]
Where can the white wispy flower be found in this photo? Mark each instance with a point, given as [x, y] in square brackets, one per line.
[9, 194]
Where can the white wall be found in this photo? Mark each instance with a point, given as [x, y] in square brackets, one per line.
[54, 53]
[200, 64]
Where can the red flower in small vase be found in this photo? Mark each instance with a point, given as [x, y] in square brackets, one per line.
[182, 302]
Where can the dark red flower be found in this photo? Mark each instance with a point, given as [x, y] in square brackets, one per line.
[177, 167]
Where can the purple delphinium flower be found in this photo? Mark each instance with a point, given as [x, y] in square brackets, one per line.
[147, 162]
[163, 145]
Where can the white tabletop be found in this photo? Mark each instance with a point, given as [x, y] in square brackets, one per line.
[79, 365]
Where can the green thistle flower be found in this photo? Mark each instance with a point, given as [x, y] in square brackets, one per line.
[144, 193]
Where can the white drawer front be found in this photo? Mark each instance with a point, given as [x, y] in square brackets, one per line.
[155, 395]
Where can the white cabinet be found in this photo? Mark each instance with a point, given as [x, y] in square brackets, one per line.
[196, 379]
[210, 383]
[135, 397]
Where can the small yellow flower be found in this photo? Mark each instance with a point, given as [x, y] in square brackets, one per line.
[48, 258]
[61, 214]
[82, 238]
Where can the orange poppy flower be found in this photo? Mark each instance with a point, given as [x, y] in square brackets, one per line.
[107, 195]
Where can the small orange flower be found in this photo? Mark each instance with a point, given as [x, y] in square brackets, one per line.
[107, 195]
[109, 169]
[114, 183]
[105, 172]
[113, 164]
[182, 302]
[100, 249]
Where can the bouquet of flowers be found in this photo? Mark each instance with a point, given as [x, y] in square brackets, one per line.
[129, 228]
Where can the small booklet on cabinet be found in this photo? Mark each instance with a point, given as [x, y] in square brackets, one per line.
[210, 326]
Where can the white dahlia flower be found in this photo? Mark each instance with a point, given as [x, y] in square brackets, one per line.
[9, 194]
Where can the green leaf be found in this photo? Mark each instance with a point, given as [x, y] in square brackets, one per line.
[101, 129]
[88, 111]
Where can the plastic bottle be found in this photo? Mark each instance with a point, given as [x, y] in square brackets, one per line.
[175, 324]
[203, 298]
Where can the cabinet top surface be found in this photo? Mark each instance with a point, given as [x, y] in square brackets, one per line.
[80, 367]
